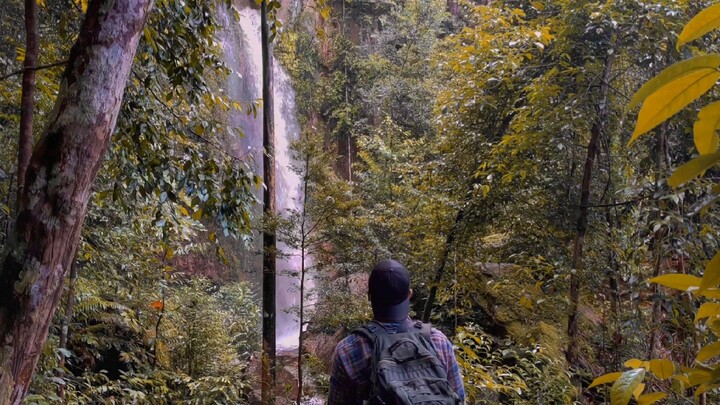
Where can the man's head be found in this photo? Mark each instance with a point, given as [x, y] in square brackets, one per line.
[389, 291]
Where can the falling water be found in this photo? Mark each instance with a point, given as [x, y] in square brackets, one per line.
[242, 47]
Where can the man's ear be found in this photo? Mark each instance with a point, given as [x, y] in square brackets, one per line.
[410, 294]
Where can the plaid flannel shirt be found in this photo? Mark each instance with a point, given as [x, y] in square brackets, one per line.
[350, 372]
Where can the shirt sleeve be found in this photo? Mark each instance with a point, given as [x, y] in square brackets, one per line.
[340, 383]
[447, 357]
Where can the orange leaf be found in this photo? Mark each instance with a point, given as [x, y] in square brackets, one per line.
[157, 305]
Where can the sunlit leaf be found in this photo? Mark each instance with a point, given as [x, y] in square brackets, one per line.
[682, 282]
[708, 121]
[623, 388]
[673, 97]
[651, 398]
[705, 21]
[605, 379]
[662, 368]
[707, 310]
[674, 72]
[711, 276]
[636, 363]
[708, 352]
[692, 169]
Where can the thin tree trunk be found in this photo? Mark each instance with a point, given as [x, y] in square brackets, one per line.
[27, 103]
[303, 249]
[657, 245]
[572, 354]
[58, 183]
[269, 238]
[67, 319]
[427, 311]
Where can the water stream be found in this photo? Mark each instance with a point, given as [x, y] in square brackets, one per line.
[242, 50]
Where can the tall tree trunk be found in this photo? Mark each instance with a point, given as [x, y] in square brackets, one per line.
[269, 238]
[597, 129]
[27, 102]
[303, 251]
[58, 184]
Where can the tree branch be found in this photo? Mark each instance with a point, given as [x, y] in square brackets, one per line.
[35, 68]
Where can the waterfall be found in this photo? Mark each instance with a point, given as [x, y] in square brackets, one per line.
[242, 53]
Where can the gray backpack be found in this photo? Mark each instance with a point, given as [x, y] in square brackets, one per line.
[405, 367]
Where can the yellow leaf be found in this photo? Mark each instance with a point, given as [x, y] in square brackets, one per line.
[184, 211]
[636, 363]
[651, 398]
[692, 169]
[707, 310]
[674, 96]
[682, 282]
[708, 352]
[708, 121]
[169, 254]
[711, 276]
[41, 3]
[623, 388]
[704, 22]
[197, 215]
[674, 72]
[605, 379]
[638, 390]
[662, 368]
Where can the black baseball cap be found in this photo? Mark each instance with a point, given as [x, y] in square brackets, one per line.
[389, 290]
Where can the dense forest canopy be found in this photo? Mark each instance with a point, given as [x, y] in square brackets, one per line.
[546, 171]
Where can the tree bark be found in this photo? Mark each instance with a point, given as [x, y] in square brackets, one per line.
[572, 354]
[58, 183]
[27, 102]
[269, 238]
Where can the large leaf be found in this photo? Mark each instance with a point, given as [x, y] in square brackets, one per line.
[673, 97]
[672, 73]
[692, 169]
[662, 368]
[651, 398]
[711, 276]
[708, 352]
[623, 388]
[604, 379]
[707, 310]
[682, 282]
[704, 22]
[708, 121]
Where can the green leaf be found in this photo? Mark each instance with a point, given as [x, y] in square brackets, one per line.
[708, 352]
[651, 398]
[622, 390]
[674, 72]
[704, 22]
[682, 282]
[708, 121]
[707, 310]
[662, 368]
[605, 379]
[711, 276]
[673, 89]
[692, 169]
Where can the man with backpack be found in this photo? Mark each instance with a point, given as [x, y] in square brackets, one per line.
[394, 360]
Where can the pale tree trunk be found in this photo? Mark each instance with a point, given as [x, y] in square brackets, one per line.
[58, 185]
[598, 128]
[269, 237]
[27, 102]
